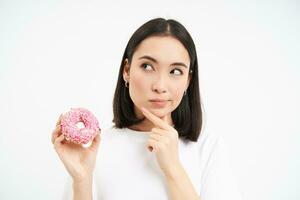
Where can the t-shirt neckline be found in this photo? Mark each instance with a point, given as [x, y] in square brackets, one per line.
[135, 131]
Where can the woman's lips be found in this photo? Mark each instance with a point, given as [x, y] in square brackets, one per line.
[159, 103]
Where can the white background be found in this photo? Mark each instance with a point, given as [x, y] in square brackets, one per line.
[55, 55]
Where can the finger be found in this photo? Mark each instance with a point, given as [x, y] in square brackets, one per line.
[59, 120]
[151, 145]
[58, 140]
[164, 133]
[165, 118]
[162, 139]
[96, 141]
[150, 148]
[156, 146]
[155, 137]
[159, 131]
[55, 134]
[57, 130]
[155, 120]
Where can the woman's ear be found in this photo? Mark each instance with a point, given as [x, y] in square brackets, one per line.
[126, 70]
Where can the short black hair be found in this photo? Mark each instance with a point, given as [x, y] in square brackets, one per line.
[187, 117]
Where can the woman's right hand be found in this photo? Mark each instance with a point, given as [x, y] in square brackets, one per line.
[79, 161]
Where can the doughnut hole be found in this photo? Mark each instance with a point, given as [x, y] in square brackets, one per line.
[80, 125]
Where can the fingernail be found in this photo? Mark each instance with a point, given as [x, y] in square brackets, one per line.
[150, 148]
[144, 109]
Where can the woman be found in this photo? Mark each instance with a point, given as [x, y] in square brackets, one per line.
[155, 149]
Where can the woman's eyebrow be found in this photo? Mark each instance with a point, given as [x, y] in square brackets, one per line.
[155, 61]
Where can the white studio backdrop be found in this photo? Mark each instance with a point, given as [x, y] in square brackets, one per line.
[55, 55]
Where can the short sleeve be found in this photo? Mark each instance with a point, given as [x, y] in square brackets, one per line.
[68, 190]
[217, 180]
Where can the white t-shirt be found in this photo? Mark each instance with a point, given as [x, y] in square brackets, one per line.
[126, 169]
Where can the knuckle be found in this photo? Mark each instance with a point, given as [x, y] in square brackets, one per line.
[167, 141]
[160, 146]
[175, 133]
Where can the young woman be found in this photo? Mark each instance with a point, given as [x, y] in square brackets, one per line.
[155, 149]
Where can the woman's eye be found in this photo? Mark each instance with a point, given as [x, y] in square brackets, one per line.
[145, 65]
[180, 72]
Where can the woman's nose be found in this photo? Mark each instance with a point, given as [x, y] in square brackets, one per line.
[159, 85]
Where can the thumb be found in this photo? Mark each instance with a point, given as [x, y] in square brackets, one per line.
[96, 141]
[58, 140]
[165, 118]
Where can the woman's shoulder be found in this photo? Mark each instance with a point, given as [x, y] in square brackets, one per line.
[209, 139]
[210, 143]
[206, 140]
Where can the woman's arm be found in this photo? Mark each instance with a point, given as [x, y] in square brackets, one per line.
[78, 160]
[180, 186]
[82, 190]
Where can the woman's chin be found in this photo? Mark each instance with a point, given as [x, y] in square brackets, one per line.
[159, 112]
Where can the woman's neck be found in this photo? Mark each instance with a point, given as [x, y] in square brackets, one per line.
[147, 125]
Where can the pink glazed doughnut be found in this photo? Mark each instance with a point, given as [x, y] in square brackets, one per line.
[72, 132]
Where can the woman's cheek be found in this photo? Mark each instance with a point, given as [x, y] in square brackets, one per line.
[138, 83]
[137, 87]
[178, 95]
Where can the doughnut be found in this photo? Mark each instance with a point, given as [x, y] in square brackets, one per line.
[74, 133]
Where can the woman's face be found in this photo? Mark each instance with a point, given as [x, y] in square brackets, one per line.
[159, 70]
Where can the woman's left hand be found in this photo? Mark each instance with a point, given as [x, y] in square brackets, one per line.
[164, 143]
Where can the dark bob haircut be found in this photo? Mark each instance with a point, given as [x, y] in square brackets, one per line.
[187, 117]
